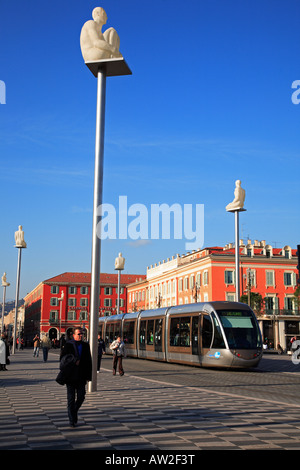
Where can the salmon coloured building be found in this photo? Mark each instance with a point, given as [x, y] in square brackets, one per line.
[209, 275]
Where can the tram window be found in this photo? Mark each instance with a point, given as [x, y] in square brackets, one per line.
[175, 332]
[150, 328]
[158, 332]
[207, 331]
[112, 332]
[142, 336]
[218, 341]
[195, 337]
[180, 332]
[185, 331]
[240, 328]
[128, 333]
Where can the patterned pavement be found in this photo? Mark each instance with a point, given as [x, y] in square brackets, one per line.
[137, 413]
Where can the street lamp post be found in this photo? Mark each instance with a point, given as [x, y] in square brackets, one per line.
[119, 266]
[20, 244]
[5, 284]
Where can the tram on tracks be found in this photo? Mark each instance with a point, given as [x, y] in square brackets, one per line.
[210, 334]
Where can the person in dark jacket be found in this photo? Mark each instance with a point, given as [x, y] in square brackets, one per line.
[101, 350]
[81, 373]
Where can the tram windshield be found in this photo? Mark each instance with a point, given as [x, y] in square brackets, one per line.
[241, 329]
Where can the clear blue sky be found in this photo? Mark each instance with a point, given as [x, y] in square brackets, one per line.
[209, 102]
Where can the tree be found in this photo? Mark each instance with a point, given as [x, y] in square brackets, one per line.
[256, 301]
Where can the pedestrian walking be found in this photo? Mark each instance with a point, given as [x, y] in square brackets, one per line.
[81, 372]
[46, 345]
[4, 352]
[119, 351]
[101, 350]
[36, 346]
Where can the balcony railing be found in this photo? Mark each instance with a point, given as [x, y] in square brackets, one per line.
[279, 312]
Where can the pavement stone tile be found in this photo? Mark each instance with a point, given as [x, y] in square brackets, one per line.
[147, 415]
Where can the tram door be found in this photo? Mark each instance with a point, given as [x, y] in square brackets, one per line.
[206, 333]
[195, 334]
[202, 331]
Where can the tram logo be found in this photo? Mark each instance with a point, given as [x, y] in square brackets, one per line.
[138, 223]
[296, 352]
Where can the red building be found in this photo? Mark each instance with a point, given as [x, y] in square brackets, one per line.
[62, 302]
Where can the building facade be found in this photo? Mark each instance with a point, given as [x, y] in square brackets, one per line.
[209, 274]
[58, 304]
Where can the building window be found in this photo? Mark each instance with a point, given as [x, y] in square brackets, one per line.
[83, 302]
[107, 290]
[84, 290]
[121, 302]
[289, 279]
[271, 304]
[72, 290]
[54, 301]
[180, 285]
[53, 317]
[83, 315]
[72, 302]
[71, 315]
[54, 289]
[229, 277]
[230, 297]
[205, 278]
[270, 278]
[107, 302]
[121, 290]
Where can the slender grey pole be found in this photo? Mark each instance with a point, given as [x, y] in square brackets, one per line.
[96, 240]
[3, 308]
[237, 258]
[119, 277]
[17, 301]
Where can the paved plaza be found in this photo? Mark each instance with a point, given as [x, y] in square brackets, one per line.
[137, 412]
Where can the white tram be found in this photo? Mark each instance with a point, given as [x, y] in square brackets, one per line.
[209, 334]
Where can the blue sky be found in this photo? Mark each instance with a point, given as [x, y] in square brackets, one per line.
[209, 102]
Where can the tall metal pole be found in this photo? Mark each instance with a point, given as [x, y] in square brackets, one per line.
[17, 300]
[119, 277]
[96, 240]
[237, 258]
[3, 308]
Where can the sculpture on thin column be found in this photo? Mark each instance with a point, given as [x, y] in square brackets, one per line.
[19, 238]
[120, 262]
[96, 45]
[4, 281]
[239, 198]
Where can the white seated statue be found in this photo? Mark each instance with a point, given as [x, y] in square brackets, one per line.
[239, 198]
[19, 238]
[120, 262]
[96, 45]
[4, 281]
